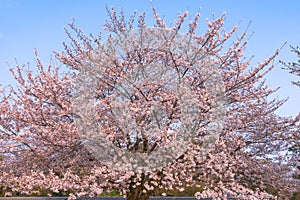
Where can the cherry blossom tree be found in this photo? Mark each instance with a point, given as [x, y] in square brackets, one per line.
[42, 148]
[294, 68]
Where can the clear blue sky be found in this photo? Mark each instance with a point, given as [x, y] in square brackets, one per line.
[29, 24]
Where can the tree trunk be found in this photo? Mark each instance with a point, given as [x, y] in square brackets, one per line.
[136, 193]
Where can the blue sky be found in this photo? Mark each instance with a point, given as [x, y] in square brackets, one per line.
[29, 24]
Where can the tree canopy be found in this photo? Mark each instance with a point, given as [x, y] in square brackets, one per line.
[42, 147]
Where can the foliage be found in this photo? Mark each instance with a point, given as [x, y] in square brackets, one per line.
[293, 67]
